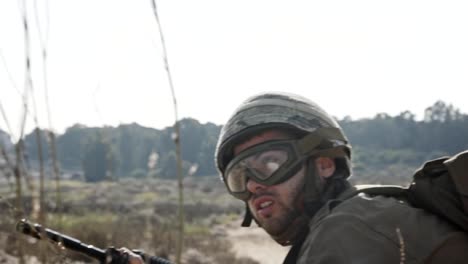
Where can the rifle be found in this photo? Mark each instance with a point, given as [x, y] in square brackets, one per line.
[108, 256]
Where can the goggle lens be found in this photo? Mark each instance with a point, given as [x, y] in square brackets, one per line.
[259, 166]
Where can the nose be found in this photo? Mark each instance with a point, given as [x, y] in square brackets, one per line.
[253, 186]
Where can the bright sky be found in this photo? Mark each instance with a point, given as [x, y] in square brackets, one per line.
[354, 58]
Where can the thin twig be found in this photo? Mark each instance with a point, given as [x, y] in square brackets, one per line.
[10, 165]
[23, 96]
[28, 85]
[10, 77]
[44, 38]
[180, 241]
[5, 118]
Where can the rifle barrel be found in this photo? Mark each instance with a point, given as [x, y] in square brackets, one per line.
[37, 231]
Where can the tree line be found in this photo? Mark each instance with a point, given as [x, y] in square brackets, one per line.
[137, 151]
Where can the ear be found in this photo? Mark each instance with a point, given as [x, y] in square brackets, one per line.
[325, 166]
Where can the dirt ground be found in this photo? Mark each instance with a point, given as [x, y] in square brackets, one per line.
[254, 243]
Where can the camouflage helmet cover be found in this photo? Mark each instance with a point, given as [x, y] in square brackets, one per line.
[273, 110]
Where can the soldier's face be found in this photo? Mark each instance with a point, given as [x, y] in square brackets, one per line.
[274, 207]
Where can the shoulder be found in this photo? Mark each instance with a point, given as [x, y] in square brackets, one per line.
[346, 238]
[356, 227]
[386, 214]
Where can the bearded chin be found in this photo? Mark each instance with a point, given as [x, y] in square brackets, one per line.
[288, 227]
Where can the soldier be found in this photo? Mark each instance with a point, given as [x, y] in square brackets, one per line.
[289, 161]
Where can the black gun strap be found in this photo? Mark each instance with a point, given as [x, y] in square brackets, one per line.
[158, 260]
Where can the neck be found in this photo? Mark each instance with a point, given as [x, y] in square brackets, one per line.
[294, 233]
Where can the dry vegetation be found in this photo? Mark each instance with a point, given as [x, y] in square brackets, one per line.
[132, 213]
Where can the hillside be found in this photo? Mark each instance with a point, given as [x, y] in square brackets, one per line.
[385, 148]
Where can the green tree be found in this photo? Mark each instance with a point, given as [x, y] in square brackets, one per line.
[97, 158]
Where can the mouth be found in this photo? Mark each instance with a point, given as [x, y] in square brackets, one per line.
[263, 206]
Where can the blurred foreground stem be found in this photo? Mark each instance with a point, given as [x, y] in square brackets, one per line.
[176, 137]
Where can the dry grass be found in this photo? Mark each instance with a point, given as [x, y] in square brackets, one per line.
[136, 214]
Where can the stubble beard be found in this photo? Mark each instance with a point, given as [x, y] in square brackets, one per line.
[276, 226]
[287, 212]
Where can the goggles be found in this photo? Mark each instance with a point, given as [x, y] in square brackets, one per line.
[273, 162]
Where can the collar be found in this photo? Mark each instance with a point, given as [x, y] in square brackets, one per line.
[331, 204]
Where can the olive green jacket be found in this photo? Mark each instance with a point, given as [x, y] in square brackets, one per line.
[369, 230]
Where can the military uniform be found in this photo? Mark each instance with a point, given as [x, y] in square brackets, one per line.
[360, 229]
[366, 229]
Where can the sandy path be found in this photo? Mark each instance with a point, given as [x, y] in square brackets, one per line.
[254, 243]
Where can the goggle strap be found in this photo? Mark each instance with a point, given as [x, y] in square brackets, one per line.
[312, 140]
[332, 133]
[335, 152]
[313, 189]
[308, 143]
[312, 183]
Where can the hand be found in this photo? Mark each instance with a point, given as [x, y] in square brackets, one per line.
[122, 256]
[133, 258]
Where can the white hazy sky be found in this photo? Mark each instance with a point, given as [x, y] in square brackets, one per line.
[354, 58]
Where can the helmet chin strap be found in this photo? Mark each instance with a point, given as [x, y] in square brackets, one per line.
[247, 217]
[319, 191]
[313, 189]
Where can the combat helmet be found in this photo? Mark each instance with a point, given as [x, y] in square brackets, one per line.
[320, 132]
